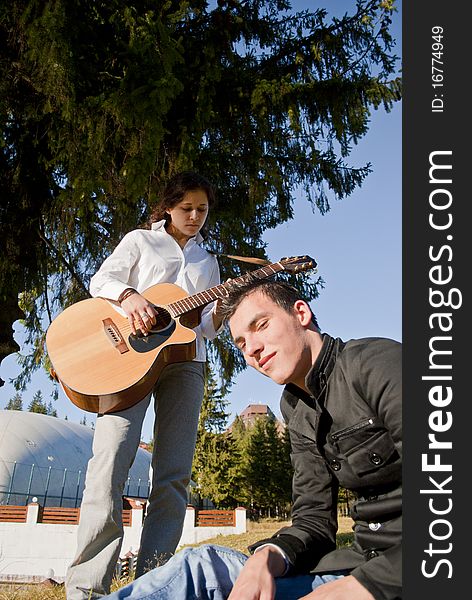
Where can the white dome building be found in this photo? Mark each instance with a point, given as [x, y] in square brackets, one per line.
[46, 457]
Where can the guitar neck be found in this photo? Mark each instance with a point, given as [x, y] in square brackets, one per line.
[189, 303]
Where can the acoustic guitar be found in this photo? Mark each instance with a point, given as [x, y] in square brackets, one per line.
[104, 368]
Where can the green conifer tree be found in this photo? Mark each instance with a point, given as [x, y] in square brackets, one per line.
[37, 404]
[101, 102]
[215, 455]
[15, 403]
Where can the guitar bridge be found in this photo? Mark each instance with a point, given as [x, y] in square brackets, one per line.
[113, 334]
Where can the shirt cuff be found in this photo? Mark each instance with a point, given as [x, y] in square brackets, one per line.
[207, 327]
[284, 556]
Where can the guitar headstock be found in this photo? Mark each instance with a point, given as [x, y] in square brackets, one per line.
[297, 264]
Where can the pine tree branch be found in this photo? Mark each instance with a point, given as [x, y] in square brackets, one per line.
[65, 262]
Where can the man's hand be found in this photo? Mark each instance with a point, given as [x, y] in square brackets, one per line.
[346, 588]
[256, 580]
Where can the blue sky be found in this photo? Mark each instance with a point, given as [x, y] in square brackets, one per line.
[357, 246]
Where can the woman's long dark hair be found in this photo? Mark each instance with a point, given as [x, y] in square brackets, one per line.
[174, 192]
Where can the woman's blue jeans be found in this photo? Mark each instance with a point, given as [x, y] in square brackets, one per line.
[208, 573]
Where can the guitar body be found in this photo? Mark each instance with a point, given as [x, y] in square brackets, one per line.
[101, 366]
[104, 368]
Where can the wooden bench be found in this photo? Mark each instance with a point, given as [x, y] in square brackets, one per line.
[13, 514]
[52, 515]
[58, 514]
[215, 518]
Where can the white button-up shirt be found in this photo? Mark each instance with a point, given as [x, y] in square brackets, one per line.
[146, 257]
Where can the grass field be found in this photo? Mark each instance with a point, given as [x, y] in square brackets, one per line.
[255, 531]
[263, 529]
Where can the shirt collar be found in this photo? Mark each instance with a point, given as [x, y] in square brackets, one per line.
[160, 226]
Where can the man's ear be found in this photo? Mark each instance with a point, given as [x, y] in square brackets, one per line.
[303, 312]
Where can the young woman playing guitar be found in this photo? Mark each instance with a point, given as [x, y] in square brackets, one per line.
[168, 251]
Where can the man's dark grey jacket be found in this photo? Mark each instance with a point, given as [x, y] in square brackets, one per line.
[347, 433]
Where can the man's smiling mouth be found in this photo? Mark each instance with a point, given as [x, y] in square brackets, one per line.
[265, 360]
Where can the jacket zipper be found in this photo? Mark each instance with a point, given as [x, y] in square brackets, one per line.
[338, 435]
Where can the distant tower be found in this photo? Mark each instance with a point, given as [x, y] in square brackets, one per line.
[257, 411]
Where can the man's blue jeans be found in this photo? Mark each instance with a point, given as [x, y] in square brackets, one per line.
[208, 573]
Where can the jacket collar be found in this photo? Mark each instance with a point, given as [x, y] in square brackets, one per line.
[319, 373]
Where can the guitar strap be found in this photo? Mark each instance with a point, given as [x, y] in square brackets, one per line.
[248, 259]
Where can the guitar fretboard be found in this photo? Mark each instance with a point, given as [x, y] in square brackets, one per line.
[185, 305]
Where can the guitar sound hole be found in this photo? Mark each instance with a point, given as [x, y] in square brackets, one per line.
[163, 320]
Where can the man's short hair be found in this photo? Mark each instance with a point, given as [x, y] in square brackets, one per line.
[281, 293]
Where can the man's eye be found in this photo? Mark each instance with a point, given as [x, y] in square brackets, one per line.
[262, 324]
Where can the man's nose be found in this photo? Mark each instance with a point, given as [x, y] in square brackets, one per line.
[253, 347]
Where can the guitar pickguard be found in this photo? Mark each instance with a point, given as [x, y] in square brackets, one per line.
[154, 339]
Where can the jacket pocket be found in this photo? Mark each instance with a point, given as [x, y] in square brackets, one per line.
[347, 432]
[364, 448]
[373, 454]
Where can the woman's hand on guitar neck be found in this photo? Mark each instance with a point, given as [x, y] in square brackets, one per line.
[217, 319]
[140, 312]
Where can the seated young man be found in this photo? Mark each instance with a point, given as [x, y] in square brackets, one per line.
[342, 405]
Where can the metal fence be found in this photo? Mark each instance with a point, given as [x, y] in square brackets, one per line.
[52, 486]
